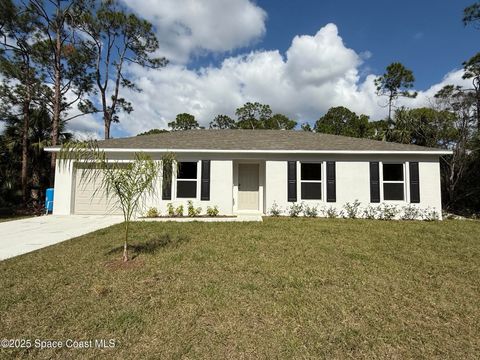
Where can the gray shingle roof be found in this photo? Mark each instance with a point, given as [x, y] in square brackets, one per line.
[280, 140]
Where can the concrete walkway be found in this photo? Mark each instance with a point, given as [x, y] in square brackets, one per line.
[22, 236]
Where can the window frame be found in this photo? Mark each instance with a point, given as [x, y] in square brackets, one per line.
[177, 179]
[321, 181]
[404, 181]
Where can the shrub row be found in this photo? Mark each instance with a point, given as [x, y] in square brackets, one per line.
[355, 210]
[179, 211]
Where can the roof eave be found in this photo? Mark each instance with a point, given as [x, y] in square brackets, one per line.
[220, 151]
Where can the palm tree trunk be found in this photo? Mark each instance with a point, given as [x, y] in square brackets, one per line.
[125, 245]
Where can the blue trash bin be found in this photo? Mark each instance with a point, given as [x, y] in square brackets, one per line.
[49, 200]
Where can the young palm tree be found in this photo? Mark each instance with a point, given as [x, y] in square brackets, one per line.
[127, 184]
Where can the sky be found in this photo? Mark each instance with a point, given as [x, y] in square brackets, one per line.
[300, 57]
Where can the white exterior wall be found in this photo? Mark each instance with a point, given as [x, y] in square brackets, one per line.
[221, 188]
[352, 181]
[63, 193]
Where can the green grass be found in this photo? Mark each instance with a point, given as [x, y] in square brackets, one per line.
[285, 288]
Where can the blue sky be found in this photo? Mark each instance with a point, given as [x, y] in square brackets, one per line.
[426, 35]
[301, 57]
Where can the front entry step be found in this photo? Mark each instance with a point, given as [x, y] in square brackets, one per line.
[249, 217]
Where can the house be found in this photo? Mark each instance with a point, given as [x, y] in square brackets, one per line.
[248, 171]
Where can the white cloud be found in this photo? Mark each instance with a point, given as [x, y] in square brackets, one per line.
[425, 98]
[314, 60]
[193, 27]
[85, 127]
[316, 73]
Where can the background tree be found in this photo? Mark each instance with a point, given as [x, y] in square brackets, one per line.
[394, 83]
[153, 131]
[253, 115]
[341, 121]
[118, 37]
[126, 184]
[223, 122]
[306, 127]
[21, 86]
[184, 121]
[38, 168]
[472, 71]
[424, 127]
[461, 105]
[471, 15]
[279, 122]
[65, 59]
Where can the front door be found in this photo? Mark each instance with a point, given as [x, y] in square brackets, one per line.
[248, 186]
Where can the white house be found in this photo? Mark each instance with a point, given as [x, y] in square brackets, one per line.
[247, 171]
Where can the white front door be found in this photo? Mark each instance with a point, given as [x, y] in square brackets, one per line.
[248, 186]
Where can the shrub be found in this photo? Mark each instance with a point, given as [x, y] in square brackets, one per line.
[411, 212]
[179, 211]
[275, 210]
[310, 211]
[152, 213]
[387, 212]
[212, 211]
[295, 210]
[370, 212]
[430, 214]
[332, 213]
[192, 211]
[170, 210]
[352, 210]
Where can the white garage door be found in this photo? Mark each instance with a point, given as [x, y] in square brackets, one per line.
[89, 202]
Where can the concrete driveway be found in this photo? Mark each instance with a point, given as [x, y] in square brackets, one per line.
[22, 236]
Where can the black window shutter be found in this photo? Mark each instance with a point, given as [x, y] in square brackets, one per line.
[331, 186]
[292, 181]
[414, 183]
[205, 184]
[167, 185]
[374, 182]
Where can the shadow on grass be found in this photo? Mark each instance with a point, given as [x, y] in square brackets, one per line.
[151, 246]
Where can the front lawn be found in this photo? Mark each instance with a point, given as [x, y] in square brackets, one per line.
[284, 288]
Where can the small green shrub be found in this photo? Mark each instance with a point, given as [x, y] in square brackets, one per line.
[295, 209]
[370, 212]
[212, 211]
[352, 211]
[192, 211]
[310, 211]
[152, 213]
[411, 212]
[332, 213]
[275, 210]
[179, 211]
[430, 214]
[170, 210]
[387, 212]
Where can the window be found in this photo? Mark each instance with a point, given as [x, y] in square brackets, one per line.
[311, 181]
[187, 180]
[393, 182]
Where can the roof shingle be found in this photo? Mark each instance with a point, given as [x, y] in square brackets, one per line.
[279, 140]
